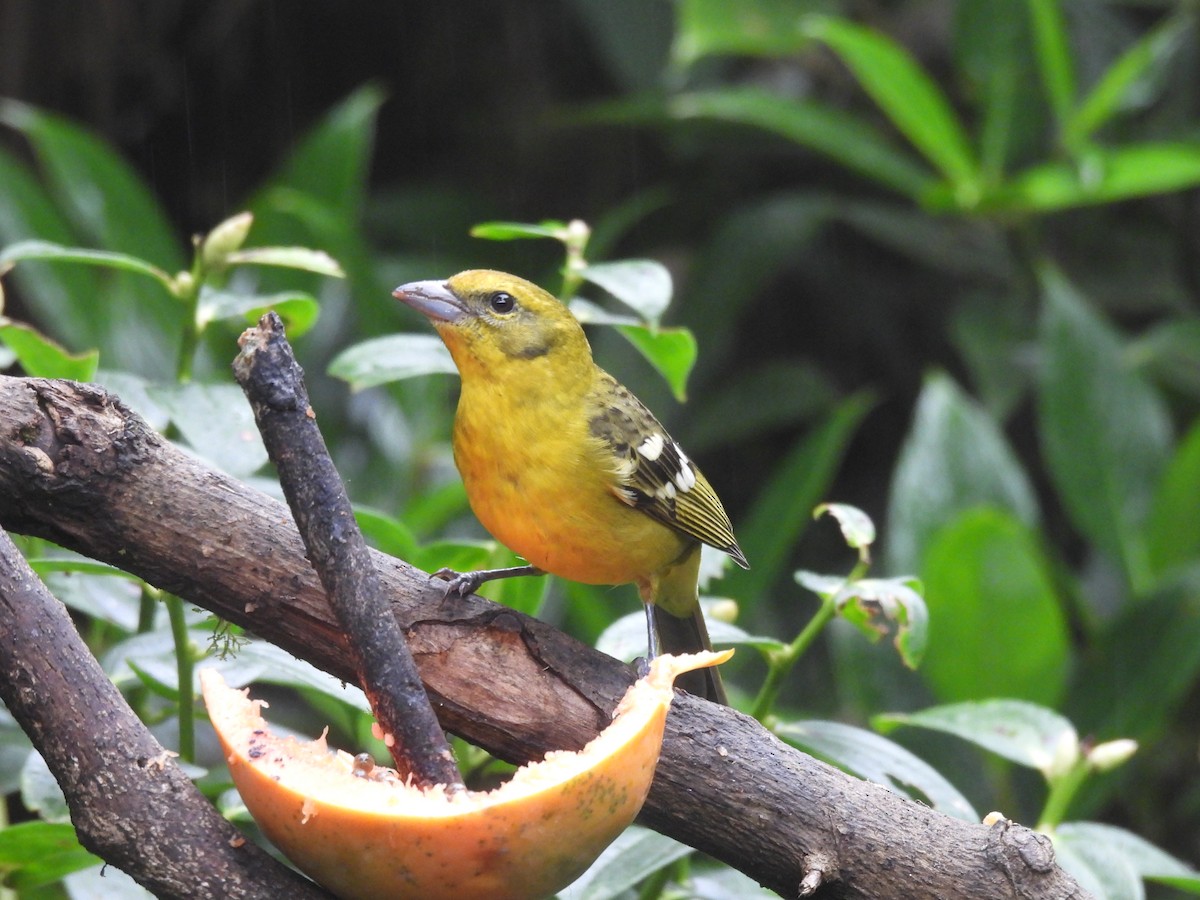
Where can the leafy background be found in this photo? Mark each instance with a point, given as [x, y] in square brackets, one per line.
[940, 261]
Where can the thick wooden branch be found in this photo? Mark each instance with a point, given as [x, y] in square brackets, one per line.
[79, 468]
[130, 802]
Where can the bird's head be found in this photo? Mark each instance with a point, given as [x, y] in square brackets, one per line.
[488, 318]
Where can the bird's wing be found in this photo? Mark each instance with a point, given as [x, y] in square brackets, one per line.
[653, 474]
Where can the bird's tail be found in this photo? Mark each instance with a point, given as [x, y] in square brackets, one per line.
[688, 634]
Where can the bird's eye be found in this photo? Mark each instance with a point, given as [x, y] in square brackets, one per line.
[502, 302]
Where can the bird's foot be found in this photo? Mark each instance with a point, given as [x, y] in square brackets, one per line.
[459, 583]
[641, 665]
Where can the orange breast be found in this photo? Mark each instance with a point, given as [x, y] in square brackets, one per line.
[544, 490]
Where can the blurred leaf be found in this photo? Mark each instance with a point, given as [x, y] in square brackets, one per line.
[1147, 860]
[40, 357]
[907, 95]
[40, 792]
[386, 533]
[783, 507]
[289, 258]
[954, 458]
[635, 855]
[857, 527]
[1126, 77]
[589, 313]
[110, 207]
[1168, 352]
[1054, 56]
[55, 294]
[331, 161]
[298, 310]
[867, 755]
[998, 627]
[877, 605]
[643, 285]
[1173, 527]
[757, 400]
[1105, 432]
[113, 597]
[381, 360]
[751, 28]
[1109, 876]
[1142, 662]
[1025, 733]
[1103, 176]
[33, 854]
[97, 188]
[50, 252]
[516, 231]
[217, 423]
[995, 338]
[844, 137]
[105, 882]
[672, 351]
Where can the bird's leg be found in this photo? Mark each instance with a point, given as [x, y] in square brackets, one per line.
[653, 645]
[463, 583]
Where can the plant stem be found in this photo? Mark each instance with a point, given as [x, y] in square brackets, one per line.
[782, 662]
[184, 663]
[1062, 792]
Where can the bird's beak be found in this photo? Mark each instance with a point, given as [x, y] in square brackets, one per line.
[433, 298]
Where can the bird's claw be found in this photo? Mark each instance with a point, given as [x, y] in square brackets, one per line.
[459, 583]
[641, 665]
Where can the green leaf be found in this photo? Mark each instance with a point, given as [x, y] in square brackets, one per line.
[1025, 733]
[40, 357]
[50, 252]
[216, 421]
[516, 231]
[289, 258]
[643, 285]
[1102, 176]
[781, 511]
[842, 136]
[111, 208]
[1173, 528]
[718, 27]
[877, 605]
[672, 351]
[33, 854]
[1099, 872]
[635, 855]
[1147, 860]
[875, 758]
[908, 96]
[98, 189]
[981, 562]
[954, 458]
[386, 533]
[1105, 431]
[381, 360]
[298, 310]
[1167, 353]
[331, 162]
[62, 295]
[1054, 56]
[1120, 84]
[857, 527]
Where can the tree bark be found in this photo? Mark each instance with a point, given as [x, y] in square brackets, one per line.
[80, 469]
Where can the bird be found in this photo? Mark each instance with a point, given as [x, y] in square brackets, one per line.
[565, 466]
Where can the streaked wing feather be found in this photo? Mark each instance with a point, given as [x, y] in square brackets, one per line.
[654, 475]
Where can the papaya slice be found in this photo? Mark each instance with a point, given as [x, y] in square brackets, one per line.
[361, 832]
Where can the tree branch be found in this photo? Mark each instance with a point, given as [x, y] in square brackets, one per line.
[80, 469]
[130, 802]
[274, 386]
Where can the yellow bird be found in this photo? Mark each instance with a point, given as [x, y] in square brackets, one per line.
[567, 468]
